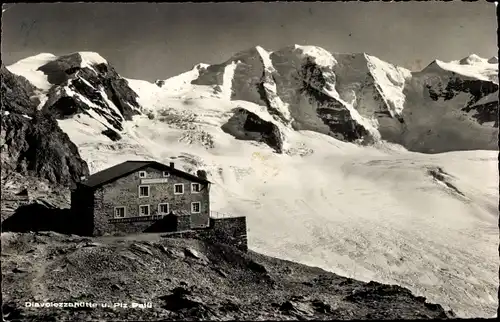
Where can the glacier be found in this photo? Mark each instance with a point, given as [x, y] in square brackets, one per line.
[376, 211]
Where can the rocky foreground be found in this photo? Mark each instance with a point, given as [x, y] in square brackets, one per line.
[152, 278]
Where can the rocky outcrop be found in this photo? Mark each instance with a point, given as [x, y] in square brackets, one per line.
[112, 135]
[97, 87]
[60, 70]
[31, 141]
[493, 60]
[245, 125]
[247, 81]
[211, 76]
[292, 86]
[117, 89]
[359, 98]
[454, 113]
[331, 111]
[484, 112]
[209, 282]
[250, 82]
[477, 89]
[38, 147]
[17, 93]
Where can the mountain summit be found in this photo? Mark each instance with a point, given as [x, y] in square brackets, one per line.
[360, 98]
[268, 98]
[351, 97]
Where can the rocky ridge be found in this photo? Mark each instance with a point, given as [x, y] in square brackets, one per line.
[359, 98]
[182, 279]
[32, 144]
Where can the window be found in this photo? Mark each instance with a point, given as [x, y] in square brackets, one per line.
[195, 207]
[163, 208]
[142, 174]
[179, 189]
[195, 187]
[119, 212]
[143, 191]
[144, 210]
[166, 174]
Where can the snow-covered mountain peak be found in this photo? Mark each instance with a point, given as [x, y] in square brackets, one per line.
[29, 69]
[181, 83]
[321, 56]
[350, 96]
[472, 60]
[38, 59]
[200, 66]
[89, 59]
[80, 83]
[493, 60]
[469, 68]
[353, 97]
[45, 70]
[262, 49]
[266, 58]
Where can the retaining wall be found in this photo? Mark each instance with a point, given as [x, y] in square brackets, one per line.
[229, 231]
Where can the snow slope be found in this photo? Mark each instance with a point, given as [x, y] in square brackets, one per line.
[472, 66]
[90, 59]
[28, 68]
[180, 83]
[269, 86]
[373, 213]
[378, 212]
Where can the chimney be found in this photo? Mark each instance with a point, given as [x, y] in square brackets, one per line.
[201, 174]
[172, 165]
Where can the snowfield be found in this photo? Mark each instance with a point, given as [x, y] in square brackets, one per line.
[28, 68]
[425, 222]
[371, 213]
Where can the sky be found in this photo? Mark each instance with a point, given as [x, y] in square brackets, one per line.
[158, 40]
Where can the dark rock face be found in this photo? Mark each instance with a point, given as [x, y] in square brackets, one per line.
[68, 106]
[484, 113]
[385, 294]
[39, 217]
[477, 89]
[61, 69]
[112, 135]
[438, 111]
[39, 148]
[17, 93]
[31, 142]
[263, 94]
[332, 112]
[212, 75]
[364, 93]
[248, 78]
[443, 113]
[299, 83]
[118, 91]
[303, 84]
[245, 125]
[451, 86]
[99, 85]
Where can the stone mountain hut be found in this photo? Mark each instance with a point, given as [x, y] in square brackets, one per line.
[141, 196]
